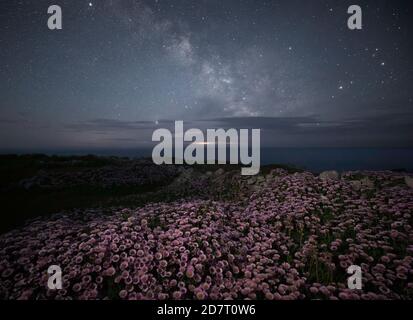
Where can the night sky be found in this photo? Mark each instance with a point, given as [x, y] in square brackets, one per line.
[121, 68]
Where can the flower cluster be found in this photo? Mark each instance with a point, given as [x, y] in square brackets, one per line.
[293, 237]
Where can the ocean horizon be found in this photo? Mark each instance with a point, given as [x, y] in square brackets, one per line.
[312, 159]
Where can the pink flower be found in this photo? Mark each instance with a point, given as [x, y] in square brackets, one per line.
[110, 271]
[176, 295]
[190, 272]
[123, 294]
[77, 287]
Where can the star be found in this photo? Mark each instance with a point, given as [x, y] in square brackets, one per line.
[163, 61]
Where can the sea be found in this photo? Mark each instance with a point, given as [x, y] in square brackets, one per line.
[312, 159]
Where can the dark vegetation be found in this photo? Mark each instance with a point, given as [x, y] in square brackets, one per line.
[20, 204]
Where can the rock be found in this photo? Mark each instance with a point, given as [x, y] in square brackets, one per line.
[219, 180]
[184, 176]
[260, 179]
[252, 180]
[329, 175]
[409, 181]
[367, 183]
[28, 185]
[364, 183]
[219, 172]
[324, 198]
[356, 184]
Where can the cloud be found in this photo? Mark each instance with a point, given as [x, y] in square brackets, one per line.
[379, 131]
[384, 130]
[113, 125]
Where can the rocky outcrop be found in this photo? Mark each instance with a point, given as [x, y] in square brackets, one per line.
[329, 175]
[409, 181]
[364, 183]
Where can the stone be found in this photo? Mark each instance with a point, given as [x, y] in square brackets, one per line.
[409, 181]
[324, 198]
[364, 183]
[356, 184]
[28, 185]
[260, 179]
[252, 180]
[329, 175]
[367, 183]
[219, 172]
